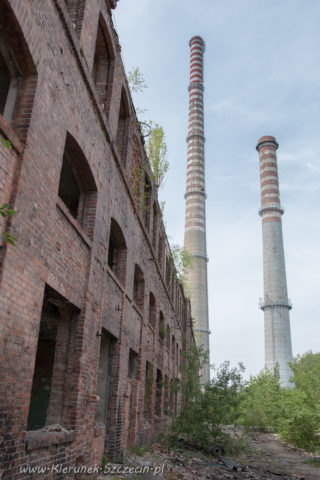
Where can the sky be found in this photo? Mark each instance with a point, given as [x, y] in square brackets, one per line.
[261, 77]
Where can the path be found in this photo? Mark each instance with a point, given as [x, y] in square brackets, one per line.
[267, 459]
[271, 454]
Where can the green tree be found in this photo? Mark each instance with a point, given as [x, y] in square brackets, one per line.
[137, 84]
[136, 80]
[182, 260]
[300, 425]
[306, 376]
[162, 205]
[189, 421]
[208, 408]
[261, 401]
[157, 151]
[156, 146]
[295, 412]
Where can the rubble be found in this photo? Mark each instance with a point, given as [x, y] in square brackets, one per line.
[185, 463]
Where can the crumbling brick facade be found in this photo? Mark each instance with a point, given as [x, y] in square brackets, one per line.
[90, 304]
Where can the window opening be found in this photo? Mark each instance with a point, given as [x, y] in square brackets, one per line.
[117, 253]
[49, 386]
[152, 310]
[138, 287]
[9, 80]
[158, 404]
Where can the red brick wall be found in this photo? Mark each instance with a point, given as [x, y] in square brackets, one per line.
[53, 249]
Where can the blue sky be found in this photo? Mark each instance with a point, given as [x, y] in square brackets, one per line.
[262, 77]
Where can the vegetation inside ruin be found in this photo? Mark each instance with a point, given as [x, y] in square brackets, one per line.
[156, 146]
[6, 143]
[294, 413]
[156, 150]
[157, 153]
[5, 211]
[136, 80]
[182, 260]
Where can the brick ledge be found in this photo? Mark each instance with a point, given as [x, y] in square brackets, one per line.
[73, 222]
[40, 439]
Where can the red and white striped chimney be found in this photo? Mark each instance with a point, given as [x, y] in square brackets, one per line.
[275, 305]
[195, 220]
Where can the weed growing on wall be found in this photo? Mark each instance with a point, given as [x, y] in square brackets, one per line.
[5, 211]
[182, 260]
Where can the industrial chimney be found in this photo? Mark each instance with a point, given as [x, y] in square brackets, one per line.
[195, 219]
[275, 305]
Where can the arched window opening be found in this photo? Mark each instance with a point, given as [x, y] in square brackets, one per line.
[18, 74]
[9, 80]
[146, 202]
[138, 287]
[166, 395]
[117, 253]
[172, 286]
[160, 250]
[105, 380]
[76, 13]
[152, 310]
[103, 66]
[148, 391]
[123, 127]
[162, 332]
[51, 378]
[155, 226]
[135, 170]
[158, 405]
[168, 337]
[172, 346]
[133, 365]
[77, 188]
[172, 389]
[168, 272]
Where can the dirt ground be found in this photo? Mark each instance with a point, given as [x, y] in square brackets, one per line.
[266, 458]
[268, 453]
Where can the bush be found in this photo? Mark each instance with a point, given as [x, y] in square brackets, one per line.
[261, 403]
[301, 420]
[295, 412]
[300, 430]
[208, 408]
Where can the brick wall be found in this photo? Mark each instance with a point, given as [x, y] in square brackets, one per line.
[63, 259]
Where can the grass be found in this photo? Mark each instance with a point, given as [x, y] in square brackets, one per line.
[313, 461]
[139, 450]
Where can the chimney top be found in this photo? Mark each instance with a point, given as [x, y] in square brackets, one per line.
[267, 140]
[197, 39]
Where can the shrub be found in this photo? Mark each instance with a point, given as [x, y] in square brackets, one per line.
[261, 403]
[300, 430]
[295, 411]
[210, 407]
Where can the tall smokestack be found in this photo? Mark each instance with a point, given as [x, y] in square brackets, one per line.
[195, 219]
[276, 305]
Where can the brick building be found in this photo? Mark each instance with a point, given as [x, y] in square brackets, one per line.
[93, 320]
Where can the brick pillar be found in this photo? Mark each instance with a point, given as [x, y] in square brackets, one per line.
[275, 305]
